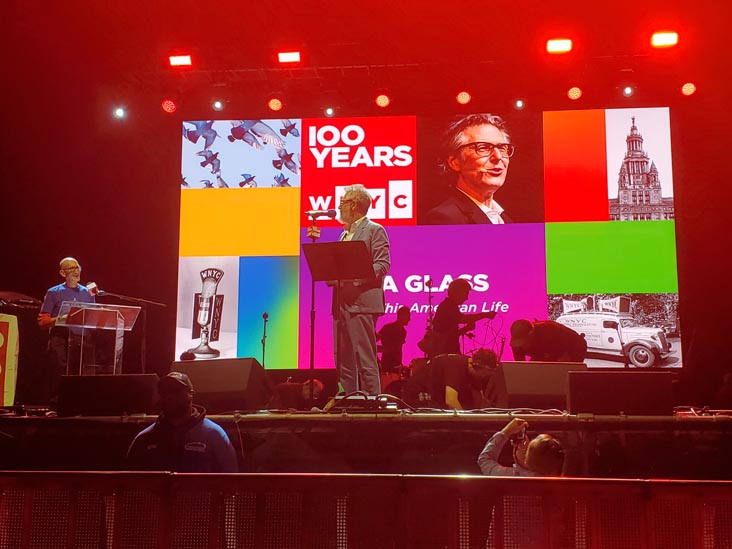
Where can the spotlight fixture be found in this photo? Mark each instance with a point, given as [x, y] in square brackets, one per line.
[217, 105]
[519, 104]
[119, 112]
[628, 91]
[559, 45]
[180, 60]
[329, 112]
[574, 93]
[688, 89]
[275, 104]
[288, 56]
[463, 98]
[664, 39]
[168, 105]
[382, 100]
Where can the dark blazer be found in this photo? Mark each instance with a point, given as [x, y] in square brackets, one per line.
[367, 295]
[458, 209]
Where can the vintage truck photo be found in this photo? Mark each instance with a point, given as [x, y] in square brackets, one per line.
[620, 335]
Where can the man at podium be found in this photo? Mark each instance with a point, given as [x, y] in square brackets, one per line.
[357, 303]
[64, 343]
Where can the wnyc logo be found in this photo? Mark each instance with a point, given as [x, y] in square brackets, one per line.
[379, 153]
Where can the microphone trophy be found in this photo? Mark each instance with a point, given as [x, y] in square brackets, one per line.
[210, 279]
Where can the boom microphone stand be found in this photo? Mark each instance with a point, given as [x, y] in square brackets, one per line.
[142, 302]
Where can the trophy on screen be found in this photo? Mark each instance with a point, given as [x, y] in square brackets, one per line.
[209, 308]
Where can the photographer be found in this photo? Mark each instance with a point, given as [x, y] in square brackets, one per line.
[539, 457]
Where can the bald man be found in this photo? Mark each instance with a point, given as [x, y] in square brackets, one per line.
[64, 344]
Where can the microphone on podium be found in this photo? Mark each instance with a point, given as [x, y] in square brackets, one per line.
[321, 213]
[94, 289]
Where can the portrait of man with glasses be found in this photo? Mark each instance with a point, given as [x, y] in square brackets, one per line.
[477, 151]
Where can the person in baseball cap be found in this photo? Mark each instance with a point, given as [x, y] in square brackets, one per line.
[174, 378]
[183, 439]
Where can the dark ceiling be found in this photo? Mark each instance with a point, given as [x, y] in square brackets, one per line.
[422, 52]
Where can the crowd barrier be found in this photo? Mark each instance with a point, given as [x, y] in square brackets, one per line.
[164, 510]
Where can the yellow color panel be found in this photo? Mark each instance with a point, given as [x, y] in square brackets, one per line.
[242, 222]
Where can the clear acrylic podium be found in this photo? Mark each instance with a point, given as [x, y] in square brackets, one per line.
[84, 318]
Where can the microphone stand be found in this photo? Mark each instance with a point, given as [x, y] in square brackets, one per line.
[314, 217]
[312, 329]
[429, 330]
[143, 310]
[265, 317]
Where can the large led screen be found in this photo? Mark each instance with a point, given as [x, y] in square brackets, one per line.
[588, 237]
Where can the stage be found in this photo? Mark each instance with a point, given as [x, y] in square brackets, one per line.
[391, 442]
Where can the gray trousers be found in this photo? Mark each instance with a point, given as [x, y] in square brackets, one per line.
[355, 352]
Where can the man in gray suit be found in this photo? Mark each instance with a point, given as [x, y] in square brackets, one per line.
[357, 303]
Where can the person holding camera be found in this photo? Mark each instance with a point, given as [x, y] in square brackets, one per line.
[542, 456]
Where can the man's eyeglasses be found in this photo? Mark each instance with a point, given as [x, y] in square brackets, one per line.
[71, 269]
[345, 201]
[483, 148]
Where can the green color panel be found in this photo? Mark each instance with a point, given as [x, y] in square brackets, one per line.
[611, 257]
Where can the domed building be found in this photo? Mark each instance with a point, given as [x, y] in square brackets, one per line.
[639, 188]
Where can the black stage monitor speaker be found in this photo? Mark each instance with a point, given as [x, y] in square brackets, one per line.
[531, 384]
[228, 384]
[610, 393]
[107, 395]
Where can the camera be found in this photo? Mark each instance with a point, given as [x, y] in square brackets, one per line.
[518, 437]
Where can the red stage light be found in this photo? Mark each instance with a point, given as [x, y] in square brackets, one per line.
[288, 56]
[664, 39]
[180, 60]
[382, 100]
[559, 45]
[275, 104]
[463, 98]
[688, 89]
[168, 105]
[574, 93]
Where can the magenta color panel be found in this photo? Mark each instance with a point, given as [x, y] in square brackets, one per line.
[506, 262]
